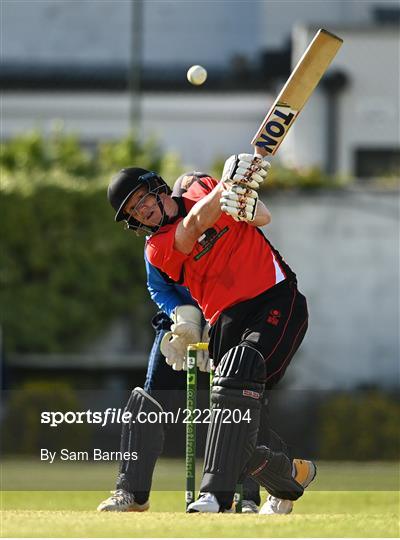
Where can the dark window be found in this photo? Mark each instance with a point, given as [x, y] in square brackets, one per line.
[387, 15]
[377, 162]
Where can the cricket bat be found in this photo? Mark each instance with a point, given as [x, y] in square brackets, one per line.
[293, 96]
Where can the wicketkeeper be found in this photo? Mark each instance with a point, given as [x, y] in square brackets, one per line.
[209, 240]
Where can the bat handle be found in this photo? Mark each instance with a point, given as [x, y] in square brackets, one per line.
[258, 154]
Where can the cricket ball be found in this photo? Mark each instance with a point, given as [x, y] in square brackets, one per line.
[196, 75]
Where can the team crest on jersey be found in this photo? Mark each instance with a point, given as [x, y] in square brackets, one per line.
[274, 317]
[207, 237]
[207, 240]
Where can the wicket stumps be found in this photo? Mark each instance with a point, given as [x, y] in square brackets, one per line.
[191, 401]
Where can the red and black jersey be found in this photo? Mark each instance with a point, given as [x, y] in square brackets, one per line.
[231, 261]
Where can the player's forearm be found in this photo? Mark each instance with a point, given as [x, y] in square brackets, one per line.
[206, 212]
[262, 217]
[201, 217]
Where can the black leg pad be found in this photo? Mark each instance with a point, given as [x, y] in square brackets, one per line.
[273, 471]
[146, 439]
[238, 386]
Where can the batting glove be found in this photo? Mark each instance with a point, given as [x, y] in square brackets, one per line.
[239, 202]
[245, 169]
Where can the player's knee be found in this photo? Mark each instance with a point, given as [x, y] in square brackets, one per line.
[239, 378]
[147, 419]
[141, 401]
[243, 363]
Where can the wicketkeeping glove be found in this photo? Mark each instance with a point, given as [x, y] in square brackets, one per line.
[245, 169]
[186, 329]
[203, 358]
[174, 350]
[240, 202]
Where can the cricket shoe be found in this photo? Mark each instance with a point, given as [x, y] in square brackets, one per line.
[206, 503]
[249, 507]
[304, 473]
[122, 501]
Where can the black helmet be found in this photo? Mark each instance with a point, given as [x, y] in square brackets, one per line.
[122, 187]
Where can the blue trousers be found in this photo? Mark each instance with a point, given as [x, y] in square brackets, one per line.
[162, 382]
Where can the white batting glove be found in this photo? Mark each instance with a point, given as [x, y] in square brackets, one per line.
[239, 202]
[186, 329]
[245, 169]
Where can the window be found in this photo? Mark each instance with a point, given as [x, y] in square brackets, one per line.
[371, 162]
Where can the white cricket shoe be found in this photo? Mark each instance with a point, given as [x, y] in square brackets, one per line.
[249, 507]
[122, 501]
[207, 502]
[304, 473]
[273, 505]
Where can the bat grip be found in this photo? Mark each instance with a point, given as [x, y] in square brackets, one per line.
[258, 154]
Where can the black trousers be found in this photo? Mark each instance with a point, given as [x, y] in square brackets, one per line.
[274, 323]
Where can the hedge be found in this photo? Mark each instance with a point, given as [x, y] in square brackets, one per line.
[360, 426]
[66, 269]
[23, 432]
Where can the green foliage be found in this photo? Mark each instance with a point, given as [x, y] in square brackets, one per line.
[66, 269]
[62, 154]
[32, 152]
[284, 178]
[23, 433]
[362, 426]
[116, 154]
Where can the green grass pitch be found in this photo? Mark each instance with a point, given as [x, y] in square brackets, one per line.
[347, 500]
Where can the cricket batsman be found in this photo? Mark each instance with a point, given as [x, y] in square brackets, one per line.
[209, 240]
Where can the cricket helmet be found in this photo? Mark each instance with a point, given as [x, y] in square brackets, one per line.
[124, 184]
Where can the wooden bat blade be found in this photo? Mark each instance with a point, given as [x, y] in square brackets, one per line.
[296, 91]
